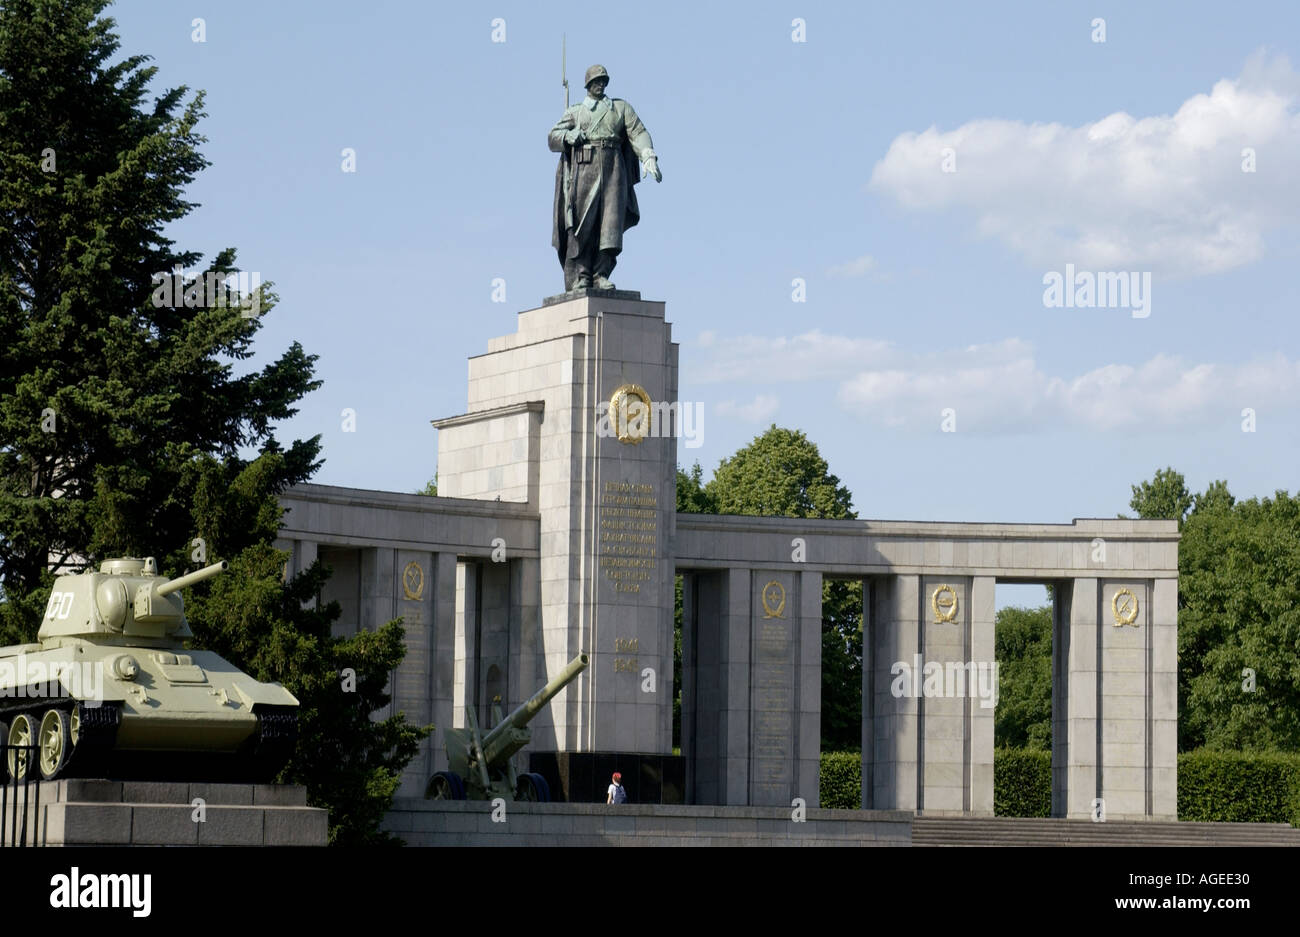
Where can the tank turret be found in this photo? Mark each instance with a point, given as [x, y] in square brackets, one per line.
[111, 690]
[482, 767]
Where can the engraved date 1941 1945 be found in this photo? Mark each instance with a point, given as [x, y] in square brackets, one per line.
[626, 664]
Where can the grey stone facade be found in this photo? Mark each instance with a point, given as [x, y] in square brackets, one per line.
[546, 520]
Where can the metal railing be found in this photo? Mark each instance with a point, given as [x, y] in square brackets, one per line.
[13, 826]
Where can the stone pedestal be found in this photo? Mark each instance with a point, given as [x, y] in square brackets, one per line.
[540, 430]
[156, 813]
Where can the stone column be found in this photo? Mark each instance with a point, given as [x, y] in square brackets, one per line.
[1164, 699]
[1124, 715]
[1082, 780]
[983, 618]
[897, 641]
[402, 581]
[735, 641]
[870, 611]
[808, 742]
[466, 674]
[716, 686]
[442, 664]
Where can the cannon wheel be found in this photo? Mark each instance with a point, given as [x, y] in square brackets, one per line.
[56, 743]
[533, 787]
[445, 785]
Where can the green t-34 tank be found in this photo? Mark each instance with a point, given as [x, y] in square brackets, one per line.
[110, 690]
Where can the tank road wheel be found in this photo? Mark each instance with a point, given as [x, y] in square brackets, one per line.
[4, 742]
[74, 728]
[445, 785]
[56, 743]
[22, 733]
[533, 787]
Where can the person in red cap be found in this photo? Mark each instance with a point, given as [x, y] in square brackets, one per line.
[616, 793]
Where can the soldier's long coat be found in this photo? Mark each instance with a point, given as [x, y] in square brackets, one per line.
[596, 199]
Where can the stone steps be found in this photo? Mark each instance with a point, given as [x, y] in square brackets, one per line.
[1012, 831]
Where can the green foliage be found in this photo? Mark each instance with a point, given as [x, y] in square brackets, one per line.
[1022, 782]
[841, 780]
[782, 474]
[1164, 497]
[1023, 648]
[1238, 572]
[122, 428]
[691, 496]
[779, 474]
[1239, 787]
[430, 487]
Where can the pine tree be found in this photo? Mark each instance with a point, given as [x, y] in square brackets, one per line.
[123, 429]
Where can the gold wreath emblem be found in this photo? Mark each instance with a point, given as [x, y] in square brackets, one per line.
[944, 602]
[413, 581]
[1124, 604]
[629, 413]
[773, 597]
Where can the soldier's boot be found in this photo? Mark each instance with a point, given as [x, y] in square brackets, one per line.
[583, 282]
[605, 262]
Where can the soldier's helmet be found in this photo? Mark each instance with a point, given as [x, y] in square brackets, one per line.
[596, 71]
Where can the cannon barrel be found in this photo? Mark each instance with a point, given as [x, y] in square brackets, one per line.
[520, 718]
[189, 579]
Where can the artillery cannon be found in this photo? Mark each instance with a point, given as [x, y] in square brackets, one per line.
[483, 767]
[111, 690]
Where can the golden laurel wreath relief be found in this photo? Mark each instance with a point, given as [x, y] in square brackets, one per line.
[1124, 605]
[773, 600]
[944, 602]
[413, 581]
[631, 423]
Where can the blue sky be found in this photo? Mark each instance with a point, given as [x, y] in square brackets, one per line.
[821, 160]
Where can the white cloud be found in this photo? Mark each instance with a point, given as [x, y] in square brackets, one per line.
[1163, 193]
[758, 410]
[857, 267]
[799, 358]
[996, 387]
[1001, 388]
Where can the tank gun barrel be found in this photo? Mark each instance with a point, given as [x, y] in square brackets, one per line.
[189, 579]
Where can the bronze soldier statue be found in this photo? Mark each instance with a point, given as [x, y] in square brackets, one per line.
[602, 146]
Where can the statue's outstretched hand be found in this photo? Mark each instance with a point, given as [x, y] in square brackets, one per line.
[651, 166]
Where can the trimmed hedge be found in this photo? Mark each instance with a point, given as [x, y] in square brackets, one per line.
[1239, 787]
[1022, 782]
[841, 780]
[1232, 787]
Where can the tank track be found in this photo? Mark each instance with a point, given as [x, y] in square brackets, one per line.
[276, 738]
[97, 733]
[94, 756]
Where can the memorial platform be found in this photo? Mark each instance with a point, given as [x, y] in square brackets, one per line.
[470, 823]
